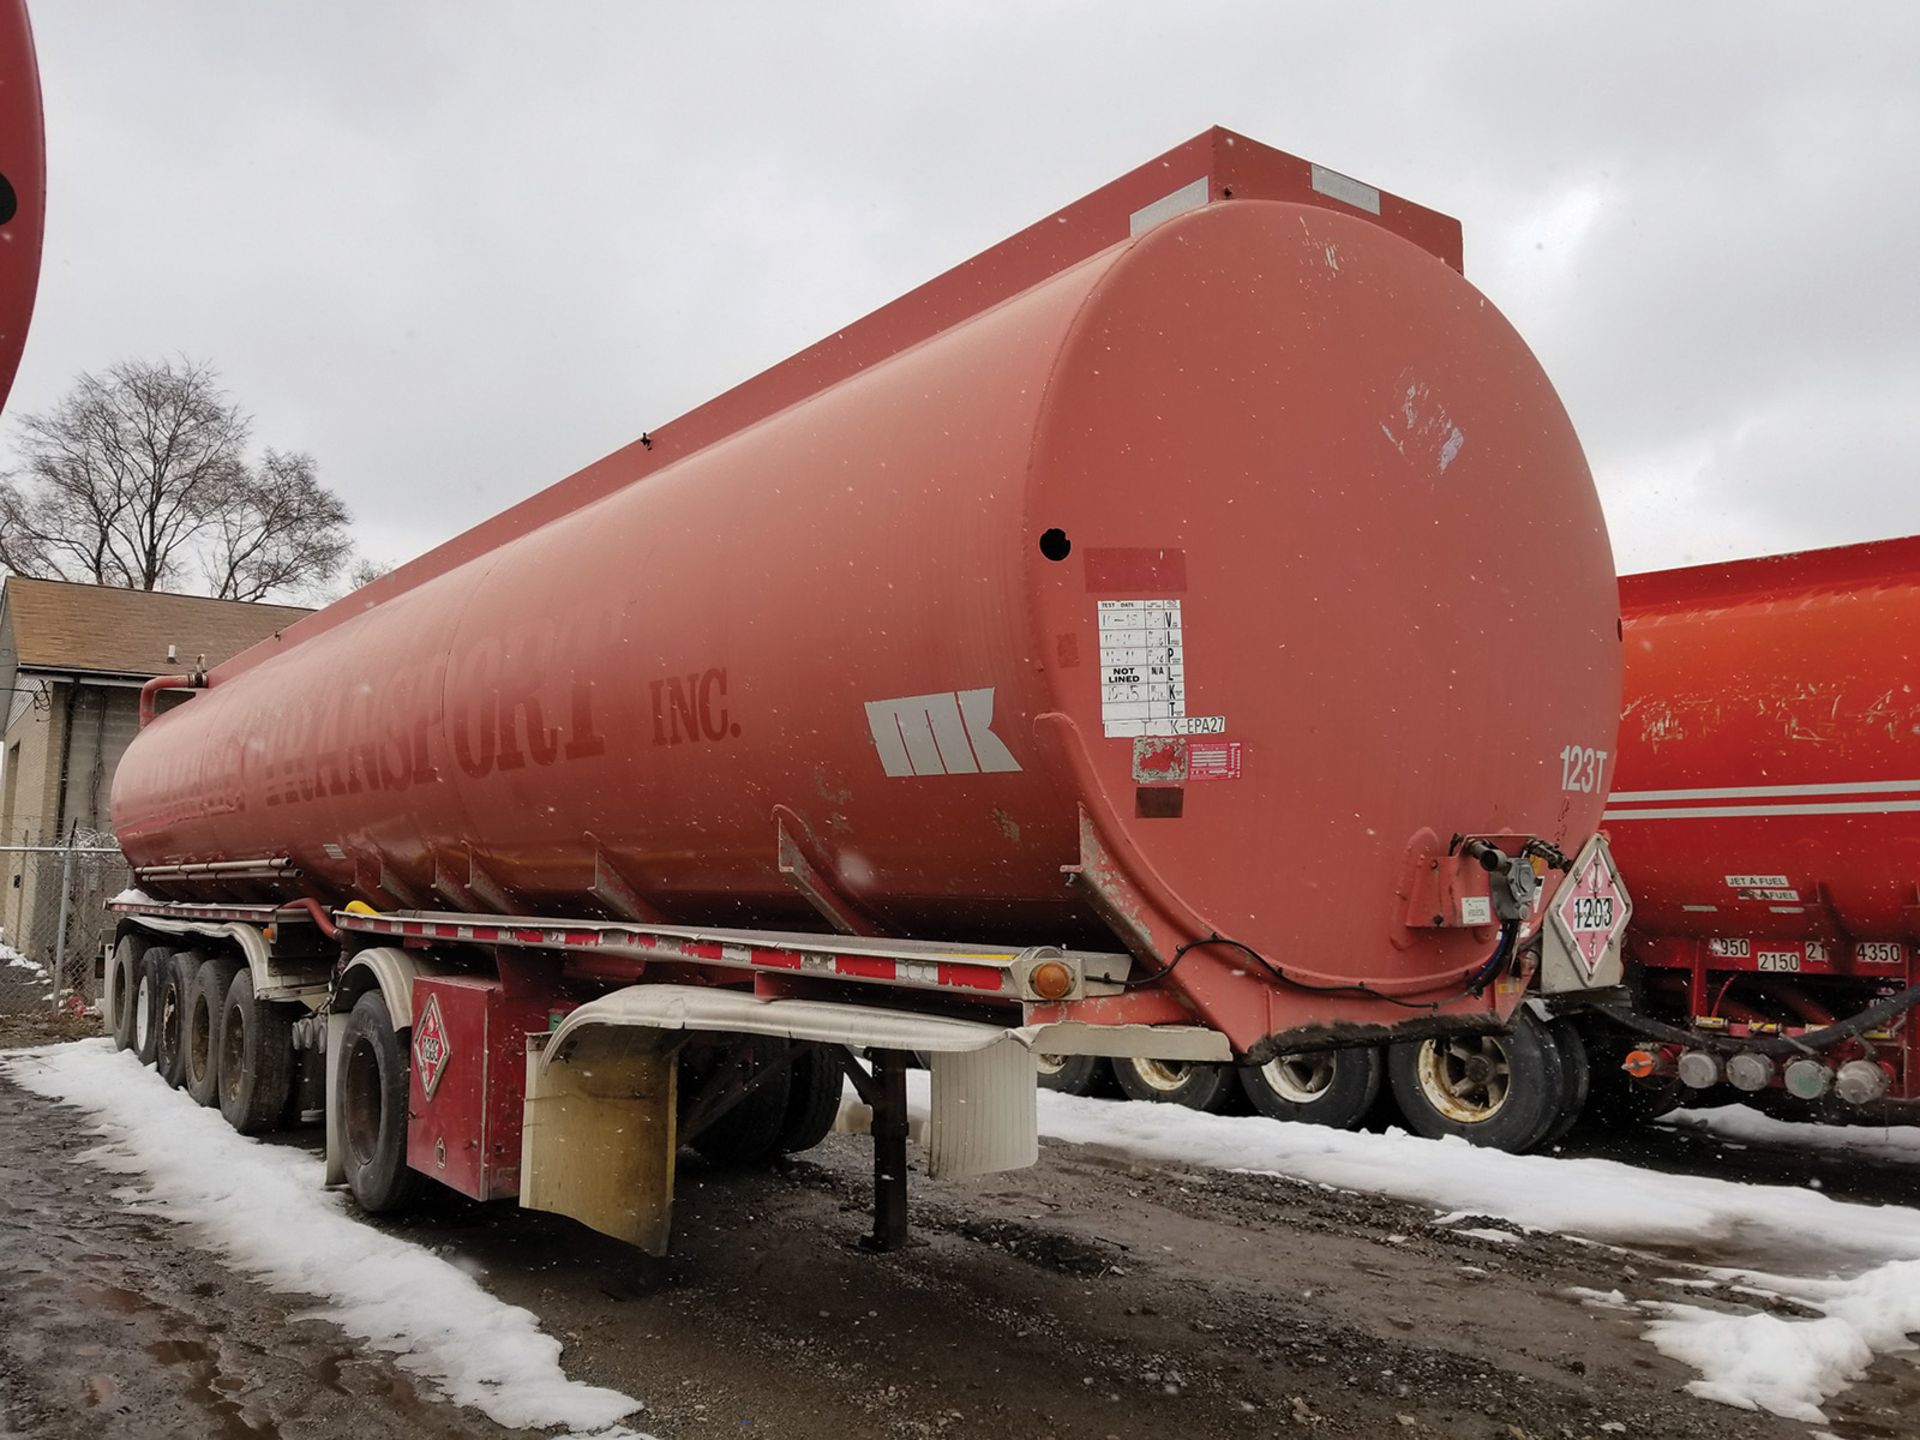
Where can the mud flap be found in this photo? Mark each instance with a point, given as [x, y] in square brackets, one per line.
[985, 1111]
[336, 1142]
[599, 1135]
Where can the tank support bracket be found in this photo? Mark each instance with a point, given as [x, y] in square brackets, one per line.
[839, 910]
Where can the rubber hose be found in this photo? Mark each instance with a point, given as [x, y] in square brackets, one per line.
[1824, 1038]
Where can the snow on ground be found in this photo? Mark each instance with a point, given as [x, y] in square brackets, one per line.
[1858, 1265]
[262, 1209]
[1745, 1125]
[12, 959]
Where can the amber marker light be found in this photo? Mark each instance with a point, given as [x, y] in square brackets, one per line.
[1051, 980]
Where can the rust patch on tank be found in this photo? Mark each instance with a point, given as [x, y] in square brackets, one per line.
[1160, 759]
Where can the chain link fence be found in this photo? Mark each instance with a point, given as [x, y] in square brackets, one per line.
[53, 920]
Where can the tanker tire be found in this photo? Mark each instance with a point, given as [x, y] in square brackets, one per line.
[124, 983]
[1196, 1084]
[205, 1002]
[813, 1100]
[146, 1003]
[751, 1131]
[170, 1045]
[256, 1058]
[1072, 1074]
[1439, 1093]
[1576, 1069]
[373, 1108]
[1338, 1088]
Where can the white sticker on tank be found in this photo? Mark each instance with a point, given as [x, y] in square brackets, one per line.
[1143, 671]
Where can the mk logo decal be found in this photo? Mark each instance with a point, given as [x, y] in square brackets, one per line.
[946, 734]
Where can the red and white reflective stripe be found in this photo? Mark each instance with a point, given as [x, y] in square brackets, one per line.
[1840, 797]
[929, 973]
[249, 914]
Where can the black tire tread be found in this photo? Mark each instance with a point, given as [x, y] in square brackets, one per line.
[1534, 1101]
[152, 967]
[253, 1100]
[813, 1100]
[386, 1184]
[1207, 1087]
[1359, 1073]
[210, 988]
[750, 1132]
[176, 992]
[128, 953]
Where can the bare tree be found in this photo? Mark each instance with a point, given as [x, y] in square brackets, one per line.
[278, 530]
[365, 571]
[139, 477]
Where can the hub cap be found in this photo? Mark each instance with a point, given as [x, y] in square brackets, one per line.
[1302, 1078]
[1466, 1078]
[1165, 1075]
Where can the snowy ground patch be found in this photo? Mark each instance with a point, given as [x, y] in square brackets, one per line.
[1858, 1265]
[1746, 1125]
[262, 1209]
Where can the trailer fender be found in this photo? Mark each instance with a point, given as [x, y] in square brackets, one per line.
[392, 971]
[984, 1116]
[270, 981]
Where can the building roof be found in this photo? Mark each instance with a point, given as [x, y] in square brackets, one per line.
[61, 626]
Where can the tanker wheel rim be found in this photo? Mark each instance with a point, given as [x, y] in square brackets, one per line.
[1049, 1064]
[360, 1101]
[142, 1013]
[199, 1046]
[1165, 1076]
[1302, 1078]
[1468, 1078]
[233, 1056]
[170, 1016]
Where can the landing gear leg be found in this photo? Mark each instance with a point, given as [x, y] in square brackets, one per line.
[885, 1091]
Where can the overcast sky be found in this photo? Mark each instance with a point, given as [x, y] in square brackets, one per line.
[457, 252]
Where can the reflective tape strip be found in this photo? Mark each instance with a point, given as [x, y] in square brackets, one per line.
[1711, 812]
[1346, 189]
[1752, 792]
[1190, 196]
[934, 971]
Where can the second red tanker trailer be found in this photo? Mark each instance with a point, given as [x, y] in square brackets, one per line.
[1163, 635]
[1767, 816]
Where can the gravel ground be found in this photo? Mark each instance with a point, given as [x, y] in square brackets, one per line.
[1088, 1297]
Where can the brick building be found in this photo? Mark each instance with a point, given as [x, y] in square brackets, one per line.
[72, 660]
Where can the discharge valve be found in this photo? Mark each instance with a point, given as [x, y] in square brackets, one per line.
[1514, 883]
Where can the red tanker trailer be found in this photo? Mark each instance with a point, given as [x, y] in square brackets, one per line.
[1765, 815]
[1190, 602]
[23, 185]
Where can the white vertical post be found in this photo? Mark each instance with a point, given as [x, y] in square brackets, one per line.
[66, 903]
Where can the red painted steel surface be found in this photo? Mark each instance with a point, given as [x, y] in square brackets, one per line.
[23, 169]
[1395, 594]
[1772, 736]
[466, 1134]
[1230, 166]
